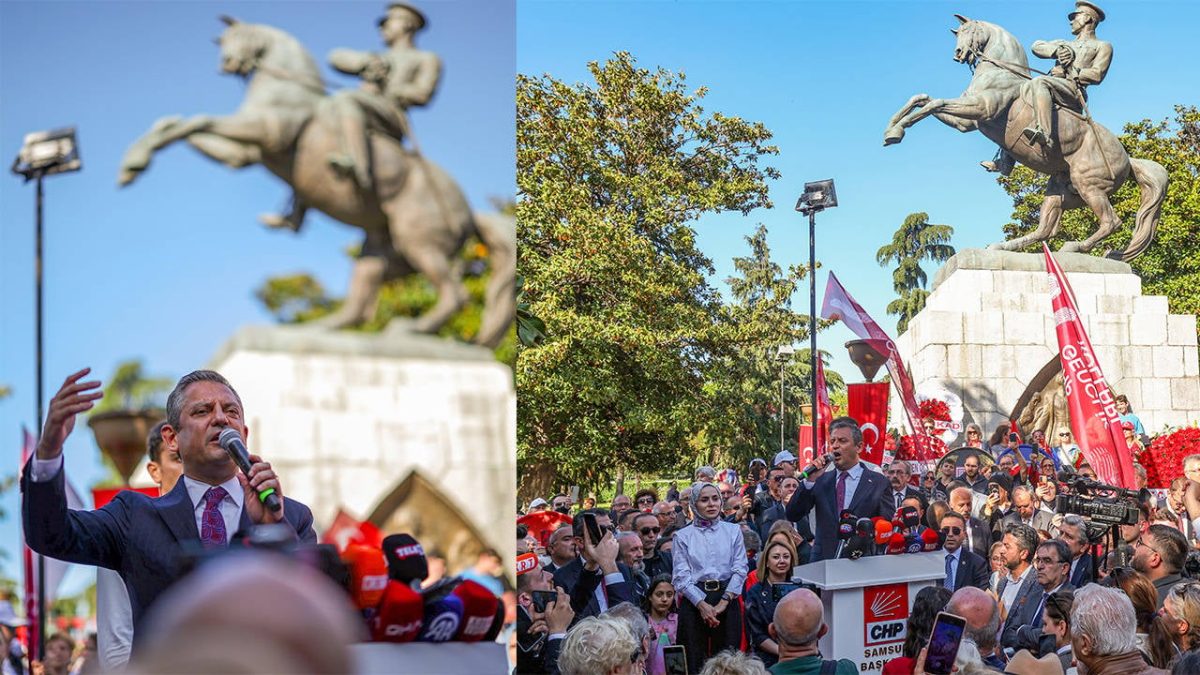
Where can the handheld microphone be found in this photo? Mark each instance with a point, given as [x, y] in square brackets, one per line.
[231, 441]
[406, 560]
[896, 544]
[931, 541]
[368, 575]
[400, 616]
[812, 468]
[479, 611]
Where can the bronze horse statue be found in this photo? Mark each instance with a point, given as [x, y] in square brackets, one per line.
[1085, 167]
[415, 216]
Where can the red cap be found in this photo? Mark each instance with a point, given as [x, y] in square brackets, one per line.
[1127, 425]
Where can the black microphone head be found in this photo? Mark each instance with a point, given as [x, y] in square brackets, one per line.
[228, 436]
[864, 527]
[848, 516]
[910, 516]
[405, 558]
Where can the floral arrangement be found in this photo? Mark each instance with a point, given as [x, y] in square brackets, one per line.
[921, 448]
[1164, 458]
[935, 409]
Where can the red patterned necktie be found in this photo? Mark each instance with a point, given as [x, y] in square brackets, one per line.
[212, 523]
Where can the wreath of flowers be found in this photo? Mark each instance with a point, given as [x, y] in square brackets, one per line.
[932, 408]
[1164, 458]
[921, 448]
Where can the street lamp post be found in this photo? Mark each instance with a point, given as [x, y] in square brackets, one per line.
[43, 153]
[784, 356]
[817, 196]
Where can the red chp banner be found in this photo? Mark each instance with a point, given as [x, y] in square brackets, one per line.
[1094, 419]
[868, 403]
[839, 305]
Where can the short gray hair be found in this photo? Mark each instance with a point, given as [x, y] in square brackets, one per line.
[707, 471]
[733, 662]
[597, 644]
[175, 399]
[633, 618]
[1107, 616]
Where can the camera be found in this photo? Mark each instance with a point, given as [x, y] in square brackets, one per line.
[1101, 504]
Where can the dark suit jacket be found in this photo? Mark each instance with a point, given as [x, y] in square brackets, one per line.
[980, 538]
[887, 505]
[823, 497]
[1023, 628]
[1083, 572]
[581, 586]
[1041, 519]
[972, 570]
[779, 512]
[1028, 587]
[139, 537]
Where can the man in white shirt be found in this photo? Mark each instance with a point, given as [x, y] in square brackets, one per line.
[114, 620]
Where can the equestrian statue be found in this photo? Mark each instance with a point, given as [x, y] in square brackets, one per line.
[1044, 123]
[351, 155]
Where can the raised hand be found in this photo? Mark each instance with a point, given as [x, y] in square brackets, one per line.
[261, 477]
[72, 398]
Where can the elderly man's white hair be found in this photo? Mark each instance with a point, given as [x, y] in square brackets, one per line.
[633, 617]
[597, 644]
[706, 471]
[1107, 616]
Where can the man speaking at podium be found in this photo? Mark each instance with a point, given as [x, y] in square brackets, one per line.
[139, 537]
[851, 486]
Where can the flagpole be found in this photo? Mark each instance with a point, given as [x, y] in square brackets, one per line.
[39, 643]
[812, 324]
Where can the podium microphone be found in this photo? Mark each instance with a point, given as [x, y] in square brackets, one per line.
[812, 468]
[406, 560]
[931, 541]
[845, 530]
[883, 533]
[896, 544]
[231, 441]
[913, 544]
[860, 544]
[909, 516]
[401, 614]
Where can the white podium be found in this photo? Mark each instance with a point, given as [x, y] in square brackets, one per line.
[867, 602]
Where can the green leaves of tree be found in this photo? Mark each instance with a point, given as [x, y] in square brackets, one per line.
[917, 239]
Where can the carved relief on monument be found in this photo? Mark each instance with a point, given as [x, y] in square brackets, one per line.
[1043, 405]
[418, 507]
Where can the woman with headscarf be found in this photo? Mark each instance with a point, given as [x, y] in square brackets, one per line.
[710, 566]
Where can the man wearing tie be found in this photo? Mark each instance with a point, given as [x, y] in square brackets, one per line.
[963, 567]
[1023, 630]
[898, 474]
[849, 487]
[143, 538]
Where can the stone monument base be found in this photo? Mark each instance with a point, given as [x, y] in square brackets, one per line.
[410, 432]
[987, 333]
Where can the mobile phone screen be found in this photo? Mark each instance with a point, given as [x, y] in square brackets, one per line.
[943, 643]
[543, 598]
[593, 527]
[675, 660]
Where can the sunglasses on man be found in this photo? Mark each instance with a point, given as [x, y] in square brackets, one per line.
[650, 530]
[952, 529]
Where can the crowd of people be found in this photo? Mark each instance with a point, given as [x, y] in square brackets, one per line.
[708, 570]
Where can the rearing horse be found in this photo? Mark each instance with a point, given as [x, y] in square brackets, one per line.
[415, 218]
[1085, 167]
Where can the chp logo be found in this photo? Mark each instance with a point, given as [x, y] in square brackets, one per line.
[885, 614]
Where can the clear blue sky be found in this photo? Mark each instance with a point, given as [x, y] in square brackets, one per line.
[164, 270]
[826, 77]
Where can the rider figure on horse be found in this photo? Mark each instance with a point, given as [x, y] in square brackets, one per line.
[1079, 63]
[393, 81]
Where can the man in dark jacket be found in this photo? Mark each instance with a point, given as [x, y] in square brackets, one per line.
[963, 567]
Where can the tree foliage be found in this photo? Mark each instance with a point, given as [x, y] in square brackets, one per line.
[917, 239]
[640, 355]
[130, 388]
[1171, 265]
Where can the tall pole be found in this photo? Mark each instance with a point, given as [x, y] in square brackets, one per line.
[782, 416]
[812, 323]
[37, 272]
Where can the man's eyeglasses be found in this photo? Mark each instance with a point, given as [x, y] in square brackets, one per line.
[952, 529]
[645, 500]
[1048, 561]
[650, 530]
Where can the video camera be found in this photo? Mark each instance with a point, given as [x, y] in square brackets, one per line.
[1099, 503]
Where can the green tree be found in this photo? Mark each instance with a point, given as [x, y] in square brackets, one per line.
[744, 383]
[611, 175]
[916, 240]
[130, 388]
[1171, 265]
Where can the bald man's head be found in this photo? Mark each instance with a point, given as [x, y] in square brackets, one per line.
[799, 619]
[982, 615]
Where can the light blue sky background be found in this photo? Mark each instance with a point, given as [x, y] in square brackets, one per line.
[165, 269]
[826, 77]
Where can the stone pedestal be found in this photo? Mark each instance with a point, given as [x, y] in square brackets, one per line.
[406, 430]
[987, 332]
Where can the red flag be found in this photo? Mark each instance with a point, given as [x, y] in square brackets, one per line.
[1012, 429]
[823, 410]
[839, 305]
[868, 404]
[1093, 411]
[346, 530]
[31, 605]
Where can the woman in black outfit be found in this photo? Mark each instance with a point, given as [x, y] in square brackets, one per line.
[774, 572]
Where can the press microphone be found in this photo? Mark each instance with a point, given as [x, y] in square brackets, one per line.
[860, 544]
[368, 575]
[443, 615]
[231, 441]
[910, 516]
[865, 528]
[479, 610]
[406, 560]
[883, 531]
[896, 544]
[845, 530]
[812, 468]
[400, 615]
[913, 544]
[931, 541]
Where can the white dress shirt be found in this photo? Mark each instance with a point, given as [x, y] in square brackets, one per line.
[1013, 587]
[711, 553]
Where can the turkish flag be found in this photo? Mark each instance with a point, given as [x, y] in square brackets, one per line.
[1093, 411]
[868, 404]
[346, 530]
[541, 523]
